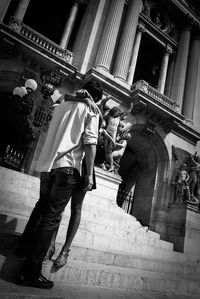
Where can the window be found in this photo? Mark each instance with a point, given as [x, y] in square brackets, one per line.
[149, 61]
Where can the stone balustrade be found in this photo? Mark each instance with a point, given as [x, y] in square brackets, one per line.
[43, 42]
[154, 94]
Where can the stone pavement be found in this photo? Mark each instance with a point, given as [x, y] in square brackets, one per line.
[9, 290]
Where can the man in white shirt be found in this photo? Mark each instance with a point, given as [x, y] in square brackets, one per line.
[72, 135]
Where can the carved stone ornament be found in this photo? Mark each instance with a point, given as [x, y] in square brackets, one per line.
[15, 24]
[169, 49]
[159, 16]
[186, 177]
[141, 27]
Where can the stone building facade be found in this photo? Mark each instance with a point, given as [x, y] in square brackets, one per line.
[142, 52]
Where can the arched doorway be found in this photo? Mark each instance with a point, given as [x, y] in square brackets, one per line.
[144, 169]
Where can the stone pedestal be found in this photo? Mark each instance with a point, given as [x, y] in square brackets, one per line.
[107, 185]
[184, 229]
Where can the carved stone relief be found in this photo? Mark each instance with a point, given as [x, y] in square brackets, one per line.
[186, 177]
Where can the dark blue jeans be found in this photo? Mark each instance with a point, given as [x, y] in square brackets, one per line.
[27, 239]
[58, 186]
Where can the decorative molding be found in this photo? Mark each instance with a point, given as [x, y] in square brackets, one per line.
[155, 13]
[141, 27]
[169, 49]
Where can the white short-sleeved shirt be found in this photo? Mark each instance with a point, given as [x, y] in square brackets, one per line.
[72, 126]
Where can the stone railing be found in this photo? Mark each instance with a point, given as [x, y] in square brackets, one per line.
[40, 40]
[155, 94]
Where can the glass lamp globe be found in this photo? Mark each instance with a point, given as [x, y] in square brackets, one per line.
[31, 85]
[20, 91]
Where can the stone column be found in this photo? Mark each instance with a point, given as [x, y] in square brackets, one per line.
[170, 72]
[3, 8]
[181, 66]
[109, 37]
[131, 71]
[69, 25]
[127, 39]
[163, 70]
[21, 9]
[192, 79]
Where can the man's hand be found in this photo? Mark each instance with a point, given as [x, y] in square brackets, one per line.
[83, 96]
[88, 183]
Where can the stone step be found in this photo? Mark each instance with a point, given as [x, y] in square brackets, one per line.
[99, 215]
[113, 258]
[140, 234]
[9, 290]
[123, 226]
[96, 237]
[102, 236]
[93, 274]
[141, 262]
[115, 216]
[92, 208]
[84, 273]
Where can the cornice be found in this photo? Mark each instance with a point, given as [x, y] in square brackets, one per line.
[157, 34]
[183, 7]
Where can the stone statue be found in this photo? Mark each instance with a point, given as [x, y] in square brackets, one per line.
[194, 179]
[113, 135]
[187, 179]
[182, 192]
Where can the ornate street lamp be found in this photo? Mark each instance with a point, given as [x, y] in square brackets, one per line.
[14, 155]
[51, 79]
[36, 119]
[30, 86]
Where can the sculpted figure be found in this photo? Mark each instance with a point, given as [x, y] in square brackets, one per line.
[112, 134]
[187, 181]
[182, 192]
[118, 152]
[194, 180]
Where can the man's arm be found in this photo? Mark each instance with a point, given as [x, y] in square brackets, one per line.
[90, 153]
[83, 96]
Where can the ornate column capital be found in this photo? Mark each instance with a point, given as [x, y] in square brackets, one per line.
[169, 49]
[141, 27]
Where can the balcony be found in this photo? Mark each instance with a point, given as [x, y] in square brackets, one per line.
[40, 42]
[154, 95]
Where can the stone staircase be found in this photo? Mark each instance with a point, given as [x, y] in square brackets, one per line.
[111, 249]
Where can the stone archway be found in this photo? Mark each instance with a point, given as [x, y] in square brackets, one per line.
[144, 170]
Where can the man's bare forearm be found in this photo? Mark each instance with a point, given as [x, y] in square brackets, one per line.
[90, 153]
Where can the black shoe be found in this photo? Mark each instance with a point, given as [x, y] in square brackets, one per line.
[41, 282]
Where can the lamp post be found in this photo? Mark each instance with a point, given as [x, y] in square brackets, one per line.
[35, 117]
[51, 79]
[15, 151]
